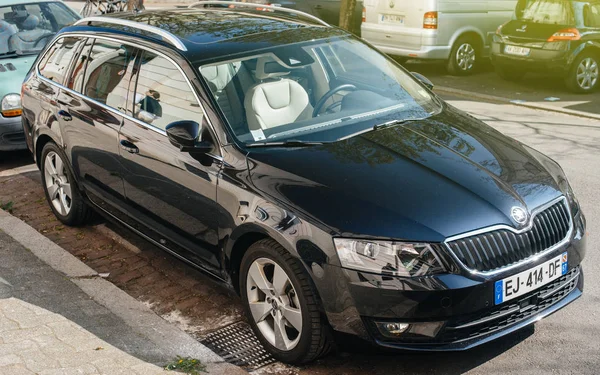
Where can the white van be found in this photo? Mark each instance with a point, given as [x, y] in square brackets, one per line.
[459, 31]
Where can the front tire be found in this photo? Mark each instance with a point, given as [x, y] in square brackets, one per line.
[62, 194]
[584, 77]
[281, 304]
[464, 57]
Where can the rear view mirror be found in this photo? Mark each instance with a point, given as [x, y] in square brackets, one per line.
[424, 80]
[184, 135]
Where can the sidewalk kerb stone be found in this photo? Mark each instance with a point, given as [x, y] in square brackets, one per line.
[50, 253]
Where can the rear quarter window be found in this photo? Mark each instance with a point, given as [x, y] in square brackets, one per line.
[591, 15]
[55, 63]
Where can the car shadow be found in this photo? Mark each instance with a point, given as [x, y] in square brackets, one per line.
[355, 357]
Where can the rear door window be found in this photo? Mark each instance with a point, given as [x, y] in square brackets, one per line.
[108, 72]
[162, 94]
[55, 63]
[549, 12]
[592, 15]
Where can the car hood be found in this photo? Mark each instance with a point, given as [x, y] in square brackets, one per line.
[423, 181]
[12, 72]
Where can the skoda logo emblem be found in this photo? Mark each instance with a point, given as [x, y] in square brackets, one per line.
[392, 4]
[519, 215]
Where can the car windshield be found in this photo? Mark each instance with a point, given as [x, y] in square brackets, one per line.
[26, 28]
[550, 12]
[316, 91]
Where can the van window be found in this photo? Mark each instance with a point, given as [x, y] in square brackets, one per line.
[550, 12]
[108, 72]
[55, 63]
[162, 94]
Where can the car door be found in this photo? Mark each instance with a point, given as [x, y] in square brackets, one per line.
[171, 194]
[91, 113]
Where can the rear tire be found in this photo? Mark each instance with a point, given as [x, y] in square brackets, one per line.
[508, 74]
[465, 56]
[584, 77]
[61, 192]
[293, 330]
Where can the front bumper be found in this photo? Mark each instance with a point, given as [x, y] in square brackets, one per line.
[12, 136]
[461, 303]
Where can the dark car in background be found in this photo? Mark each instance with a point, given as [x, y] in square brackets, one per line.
[307, 171]
[559, 37]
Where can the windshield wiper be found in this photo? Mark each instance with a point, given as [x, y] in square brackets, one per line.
[18, 53]
[290, 143]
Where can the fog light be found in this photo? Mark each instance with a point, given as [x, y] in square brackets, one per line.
[392, 329]
[423, 330]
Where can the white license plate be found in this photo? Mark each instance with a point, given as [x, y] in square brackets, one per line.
[392, 18]
[519, 51]
[526, 281]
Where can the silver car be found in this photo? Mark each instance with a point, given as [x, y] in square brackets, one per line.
[457, 31]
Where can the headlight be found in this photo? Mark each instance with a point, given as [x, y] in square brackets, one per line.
[573, 202]
[389, 258]
[11, 105]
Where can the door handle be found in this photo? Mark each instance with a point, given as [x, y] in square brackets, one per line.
[65, 115]
[129, 147]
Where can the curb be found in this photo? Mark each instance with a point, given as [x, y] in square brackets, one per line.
[134, 313]
[499, 99]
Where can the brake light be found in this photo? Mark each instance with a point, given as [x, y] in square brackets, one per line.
[430, 20]
[499, 29]
[566, 34]
[364, 15]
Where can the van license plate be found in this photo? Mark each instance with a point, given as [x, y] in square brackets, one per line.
[392, 18]
[518, 51]
[526, 281]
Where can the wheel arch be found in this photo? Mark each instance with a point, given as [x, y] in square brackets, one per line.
[468, 31]
[588, 47]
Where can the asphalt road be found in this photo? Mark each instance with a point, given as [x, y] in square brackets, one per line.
[566, 342]
[534, 88]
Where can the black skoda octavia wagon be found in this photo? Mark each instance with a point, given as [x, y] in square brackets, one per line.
[306, 170]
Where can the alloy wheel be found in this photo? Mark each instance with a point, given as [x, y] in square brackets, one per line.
[587, 73]
[57, 183]
[465, 57]
[274, 304]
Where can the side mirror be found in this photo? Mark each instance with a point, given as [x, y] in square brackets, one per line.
[424, 80]
[184, 135]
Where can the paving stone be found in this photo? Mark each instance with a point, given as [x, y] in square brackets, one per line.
[10, 359]
[15, 370]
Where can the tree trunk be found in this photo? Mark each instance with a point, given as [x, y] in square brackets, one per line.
[346, 12]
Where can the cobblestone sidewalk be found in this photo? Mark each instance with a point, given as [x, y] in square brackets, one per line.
[34, 340]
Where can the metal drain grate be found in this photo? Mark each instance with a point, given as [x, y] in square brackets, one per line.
[238, 345]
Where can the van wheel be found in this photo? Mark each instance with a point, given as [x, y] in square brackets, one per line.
[62, 194]
[509, 74]
[584, 74]
[281, 304]
[464, 56]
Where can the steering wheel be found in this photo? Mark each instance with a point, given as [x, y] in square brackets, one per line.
[329, 94]
[46, 36]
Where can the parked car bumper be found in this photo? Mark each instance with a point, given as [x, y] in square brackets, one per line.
[405, 42]
[12, 136]
[541, 60]
[449, 312]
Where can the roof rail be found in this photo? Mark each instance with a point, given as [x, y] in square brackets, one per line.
[261, 6]
[167, 36]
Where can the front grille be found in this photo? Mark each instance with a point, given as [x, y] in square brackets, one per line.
[513, 311]
[501, 248]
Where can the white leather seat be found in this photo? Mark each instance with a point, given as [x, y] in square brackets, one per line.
[275, 102]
